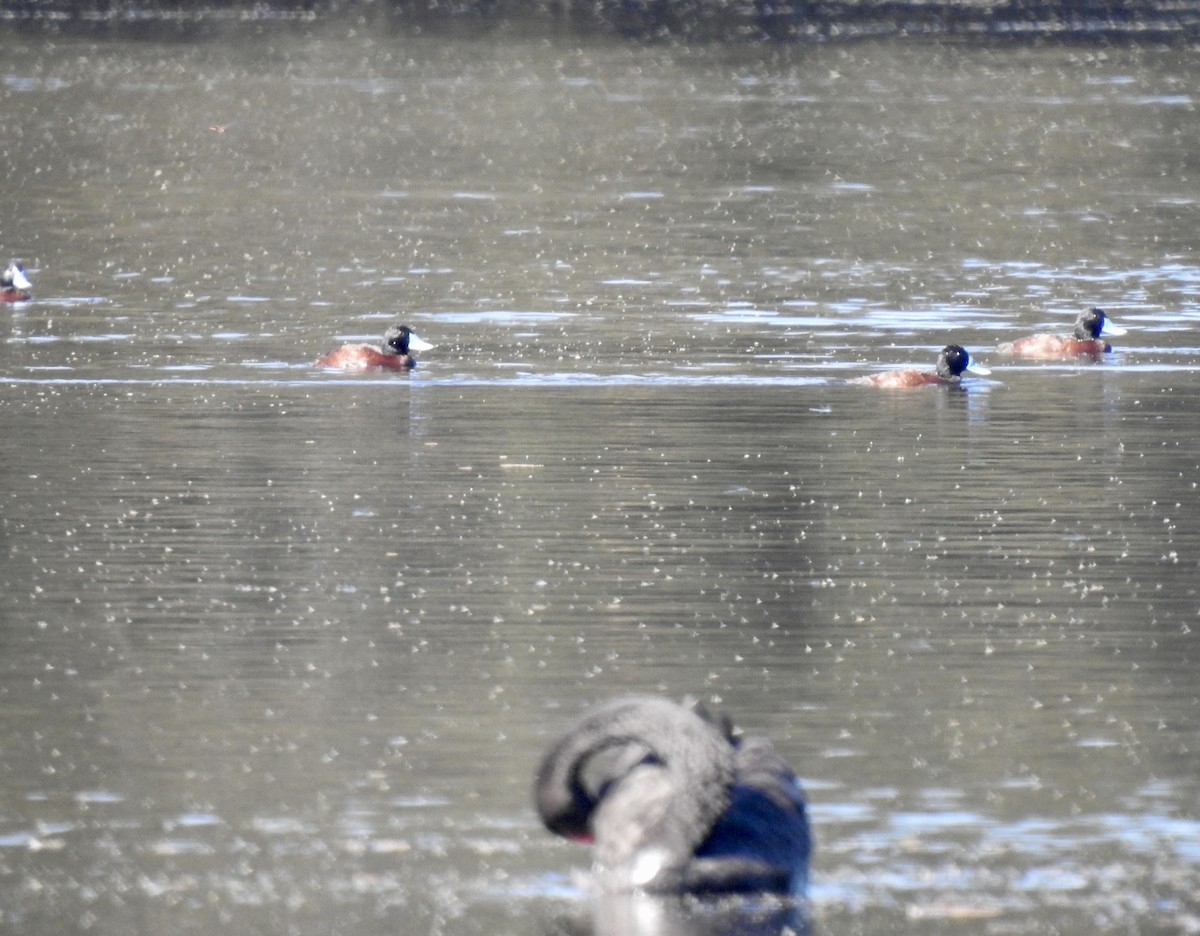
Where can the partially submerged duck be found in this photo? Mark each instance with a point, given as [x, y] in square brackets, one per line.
[952, 363]
[1084, 342]
[395, 353]
[675, 802]
[14, 284]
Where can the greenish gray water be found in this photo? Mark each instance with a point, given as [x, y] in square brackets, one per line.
[282, 647]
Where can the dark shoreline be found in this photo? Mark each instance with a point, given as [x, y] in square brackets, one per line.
[694, 20]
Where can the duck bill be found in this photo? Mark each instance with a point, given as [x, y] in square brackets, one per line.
[1112, 328]
[978, 370]
[417, 343]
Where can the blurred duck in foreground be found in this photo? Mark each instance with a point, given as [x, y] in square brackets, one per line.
[952, 363]
[1085, 342]
[674, 801]
[395, 353]
[14, 284]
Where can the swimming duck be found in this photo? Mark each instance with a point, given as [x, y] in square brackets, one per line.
[674, 801]
[952, 363]
[14, 284]
[1085, 341]
[394, 354]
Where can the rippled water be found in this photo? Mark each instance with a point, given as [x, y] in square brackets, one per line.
[282, 647]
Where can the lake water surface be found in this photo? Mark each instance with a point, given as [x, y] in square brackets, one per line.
[281, 648]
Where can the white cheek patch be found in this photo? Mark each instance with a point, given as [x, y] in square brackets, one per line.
[646, 867]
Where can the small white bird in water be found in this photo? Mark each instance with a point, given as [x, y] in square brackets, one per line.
[14, 284]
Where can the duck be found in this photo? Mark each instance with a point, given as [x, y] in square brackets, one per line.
[395, 353]
[14, 284]
[953, 361]
[1084, 342]
[675, 801]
